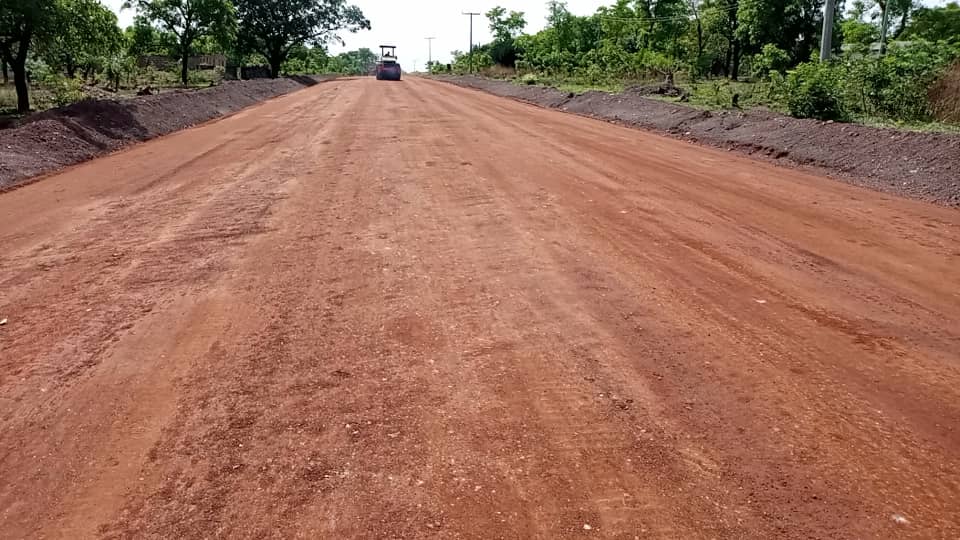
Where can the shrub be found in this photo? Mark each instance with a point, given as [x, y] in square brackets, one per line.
[116, 68]
[771, 59]
[814, 90]
[897, 84]
[65, 90]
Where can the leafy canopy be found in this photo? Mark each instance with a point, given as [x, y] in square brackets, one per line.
[939, 23]
[84, 31]
[189, 21]
[274, 27]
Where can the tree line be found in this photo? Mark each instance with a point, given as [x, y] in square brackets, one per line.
[737, 39]
[73, 35]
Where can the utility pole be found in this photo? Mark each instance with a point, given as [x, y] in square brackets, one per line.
[472, 15]
[430, 52]
[884, 22]
[826, 40]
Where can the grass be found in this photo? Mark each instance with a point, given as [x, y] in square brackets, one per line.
[717, 94]
[570, 85]
[924, 127]
[581, 87]
[8, 97]
[45, 96]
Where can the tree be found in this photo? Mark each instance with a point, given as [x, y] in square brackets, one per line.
[723, 19]
[144, 39]
[855, 31]
[274, 27]
[893, 9]
[505, 29]
[189, 20]
[307, 60]
[23, 23]
[85, 30]
[791, 25]
[934, 24]
[503, 26]
[359, 62]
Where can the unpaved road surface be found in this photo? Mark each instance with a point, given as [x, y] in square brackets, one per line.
[376, 310]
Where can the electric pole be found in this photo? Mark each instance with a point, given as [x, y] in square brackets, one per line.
[884, 22]
[470, 58]
[430, 52]
[826, 40]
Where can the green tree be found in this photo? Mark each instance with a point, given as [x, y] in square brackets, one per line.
[359, 62]
[304, 59]
[274, 27]
[142, 38]
[771, 59]
[85, 30]
[934, 24]
[505, 28]
[723, 20]
[857, 32]
[22, 24]
[893, 10]
[190, 20]
[791, 25]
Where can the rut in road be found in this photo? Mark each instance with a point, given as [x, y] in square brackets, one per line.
[470, 318]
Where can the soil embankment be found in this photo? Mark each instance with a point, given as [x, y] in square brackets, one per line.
[51, 140]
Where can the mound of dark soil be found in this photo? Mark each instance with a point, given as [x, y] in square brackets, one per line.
[919, 165]
[53, 139]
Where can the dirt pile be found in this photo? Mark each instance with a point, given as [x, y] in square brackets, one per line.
[945, 96]
[919, 165]
[57, 138]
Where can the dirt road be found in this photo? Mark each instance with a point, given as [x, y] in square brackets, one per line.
[378, 310]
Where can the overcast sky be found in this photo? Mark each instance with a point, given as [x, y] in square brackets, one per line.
[406, 24]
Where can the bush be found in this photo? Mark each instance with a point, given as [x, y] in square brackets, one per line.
[65, 90]
[814, 90]
[897, 84]
[771, 59]
[116, 68]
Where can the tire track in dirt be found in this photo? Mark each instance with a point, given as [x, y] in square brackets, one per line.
[140, 257]
[409, 310]
[622, 237]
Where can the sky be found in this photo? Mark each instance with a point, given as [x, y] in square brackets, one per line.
[407, 24]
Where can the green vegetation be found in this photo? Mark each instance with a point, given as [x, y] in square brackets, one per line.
[312, 22]
[61, 51]
[358, 62]
[887, 58]
[189, 21]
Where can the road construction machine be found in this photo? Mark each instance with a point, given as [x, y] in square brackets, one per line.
[388, 68]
